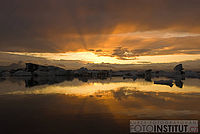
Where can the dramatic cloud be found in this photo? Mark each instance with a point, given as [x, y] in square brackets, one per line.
[80, 25]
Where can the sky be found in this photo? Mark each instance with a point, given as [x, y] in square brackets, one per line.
[81, 32]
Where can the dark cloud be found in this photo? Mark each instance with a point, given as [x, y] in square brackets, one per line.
[122, 53]
[64, 25]
[99, 50]
[161, 46]
[144, 62]
[130, 54]
[91, 50]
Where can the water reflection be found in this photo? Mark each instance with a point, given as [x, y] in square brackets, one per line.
[154, 104]
[179, 83]
[69, 85]
[54, 105]
[35, 81]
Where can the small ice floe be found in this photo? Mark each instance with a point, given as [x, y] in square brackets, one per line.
[148, 75]
[126, 76]
[134, 77]
[178, 67]
[99, 95]
[179, 83]
[164, 82]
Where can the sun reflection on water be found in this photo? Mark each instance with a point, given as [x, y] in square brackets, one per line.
[79, 88]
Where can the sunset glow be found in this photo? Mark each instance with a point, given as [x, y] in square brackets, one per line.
[94, 58]
[162, 32]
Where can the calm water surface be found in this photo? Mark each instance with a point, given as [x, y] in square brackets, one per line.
[95, 106]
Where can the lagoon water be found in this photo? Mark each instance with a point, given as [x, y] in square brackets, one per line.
[92, 106]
